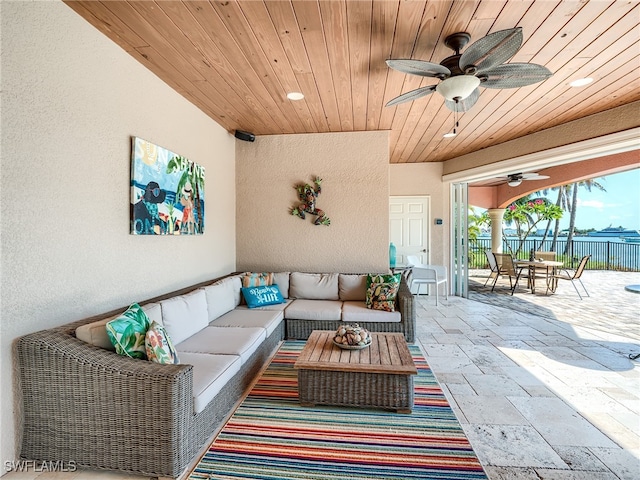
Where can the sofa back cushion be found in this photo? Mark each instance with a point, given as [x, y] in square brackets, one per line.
[95, 333]
[282, 280]
[185, 315]
[352, 287]
[222, 296]
[313, 286]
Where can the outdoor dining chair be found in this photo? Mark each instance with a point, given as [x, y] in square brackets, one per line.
[492, 266]
[565, 274]
[506, 267]
[426, 275]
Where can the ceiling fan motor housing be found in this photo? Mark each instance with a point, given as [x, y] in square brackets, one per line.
[457, 41]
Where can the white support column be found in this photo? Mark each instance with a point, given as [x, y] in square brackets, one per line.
[496, 215]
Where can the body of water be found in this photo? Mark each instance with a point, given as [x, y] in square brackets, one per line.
[609, 253]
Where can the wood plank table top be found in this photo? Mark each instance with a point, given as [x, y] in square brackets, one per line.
[388, 353]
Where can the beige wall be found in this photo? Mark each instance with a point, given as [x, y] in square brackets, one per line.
[71, 100]
[355, 172]
[415, 179]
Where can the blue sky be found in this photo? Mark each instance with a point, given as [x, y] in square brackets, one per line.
[618, 206]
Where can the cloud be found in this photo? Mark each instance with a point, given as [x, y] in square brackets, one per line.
[592, 204]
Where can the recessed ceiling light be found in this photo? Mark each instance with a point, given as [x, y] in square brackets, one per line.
[295, 96]
[581, 82]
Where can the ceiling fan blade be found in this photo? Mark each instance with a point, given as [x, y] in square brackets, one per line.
[514, 75]
[533, 176]
[412, 95]
[491, 51]
[419, 67]
[463, 105]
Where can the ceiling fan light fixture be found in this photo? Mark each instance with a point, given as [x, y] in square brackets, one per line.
[514, 182]
[460, 87]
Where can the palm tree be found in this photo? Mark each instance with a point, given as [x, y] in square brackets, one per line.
[588, 184]
[562, 202]
[546, 230]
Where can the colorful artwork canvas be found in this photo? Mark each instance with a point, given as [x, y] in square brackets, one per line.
[167, 192]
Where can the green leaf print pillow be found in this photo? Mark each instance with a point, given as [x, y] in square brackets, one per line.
[127, 332]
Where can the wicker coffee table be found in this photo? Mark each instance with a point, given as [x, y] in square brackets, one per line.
[379, 376]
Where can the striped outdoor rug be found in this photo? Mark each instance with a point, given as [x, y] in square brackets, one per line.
[271, 436]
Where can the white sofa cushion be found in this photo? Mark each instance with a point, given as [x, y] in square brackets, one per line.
[313, 286]
[301, 309]
[357, 312]
[352, 287]
[245, 317]
[221, 296]
[185, 315]
[154, 312]
[95, 333]
[282, 280]
[278, 307]
[210, 374]
[242, 341]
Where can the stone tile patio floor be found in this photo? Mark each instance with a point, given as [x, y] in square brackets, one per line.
[542, 384]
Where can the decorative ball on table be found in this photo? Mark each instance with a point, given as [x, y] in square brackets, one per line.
[352, 337]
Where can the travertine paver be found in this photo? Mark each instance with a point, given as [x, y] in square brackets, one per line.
[543, 385]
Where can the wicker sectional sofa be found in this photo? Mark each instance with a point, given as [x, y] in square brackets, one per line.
[84, 403]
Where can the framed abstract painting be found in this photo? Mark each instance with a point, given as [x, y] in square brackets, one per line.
[167, 192]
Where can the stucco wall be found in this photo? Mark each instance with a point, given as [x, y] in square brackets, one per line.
[426, 179]
[355, 195]
[71, 100]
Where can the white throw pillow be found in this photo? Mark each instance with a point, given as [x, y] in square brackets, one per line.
[185, 315]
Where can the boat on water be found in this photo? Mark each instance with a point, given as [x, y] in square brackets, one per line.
[616, 232]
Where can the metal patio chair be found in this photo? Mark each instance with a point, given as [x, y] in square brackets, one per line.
[492, 265]
[565, 274]
[506, 267]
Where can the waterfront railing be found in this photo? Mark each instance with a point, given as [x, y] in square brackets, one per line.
[605, 255]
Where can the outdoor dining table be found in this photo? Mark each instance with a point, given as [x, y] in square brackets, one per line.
[549, 265]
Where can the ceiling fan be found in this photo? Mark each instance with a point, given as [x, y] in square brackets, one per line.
[515, 179]
[482, 64]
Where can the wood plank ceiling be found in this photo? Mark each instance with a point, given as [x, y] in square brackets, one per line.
[236, 61]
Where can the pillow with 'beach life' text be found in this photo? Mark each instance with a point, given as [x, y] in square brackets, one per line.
[262, 296]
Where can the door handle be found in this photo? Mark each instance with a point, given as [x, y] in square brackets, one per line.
[424, 250]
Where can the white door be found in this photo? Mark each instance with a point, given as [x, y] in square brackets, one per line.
[409, 227]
